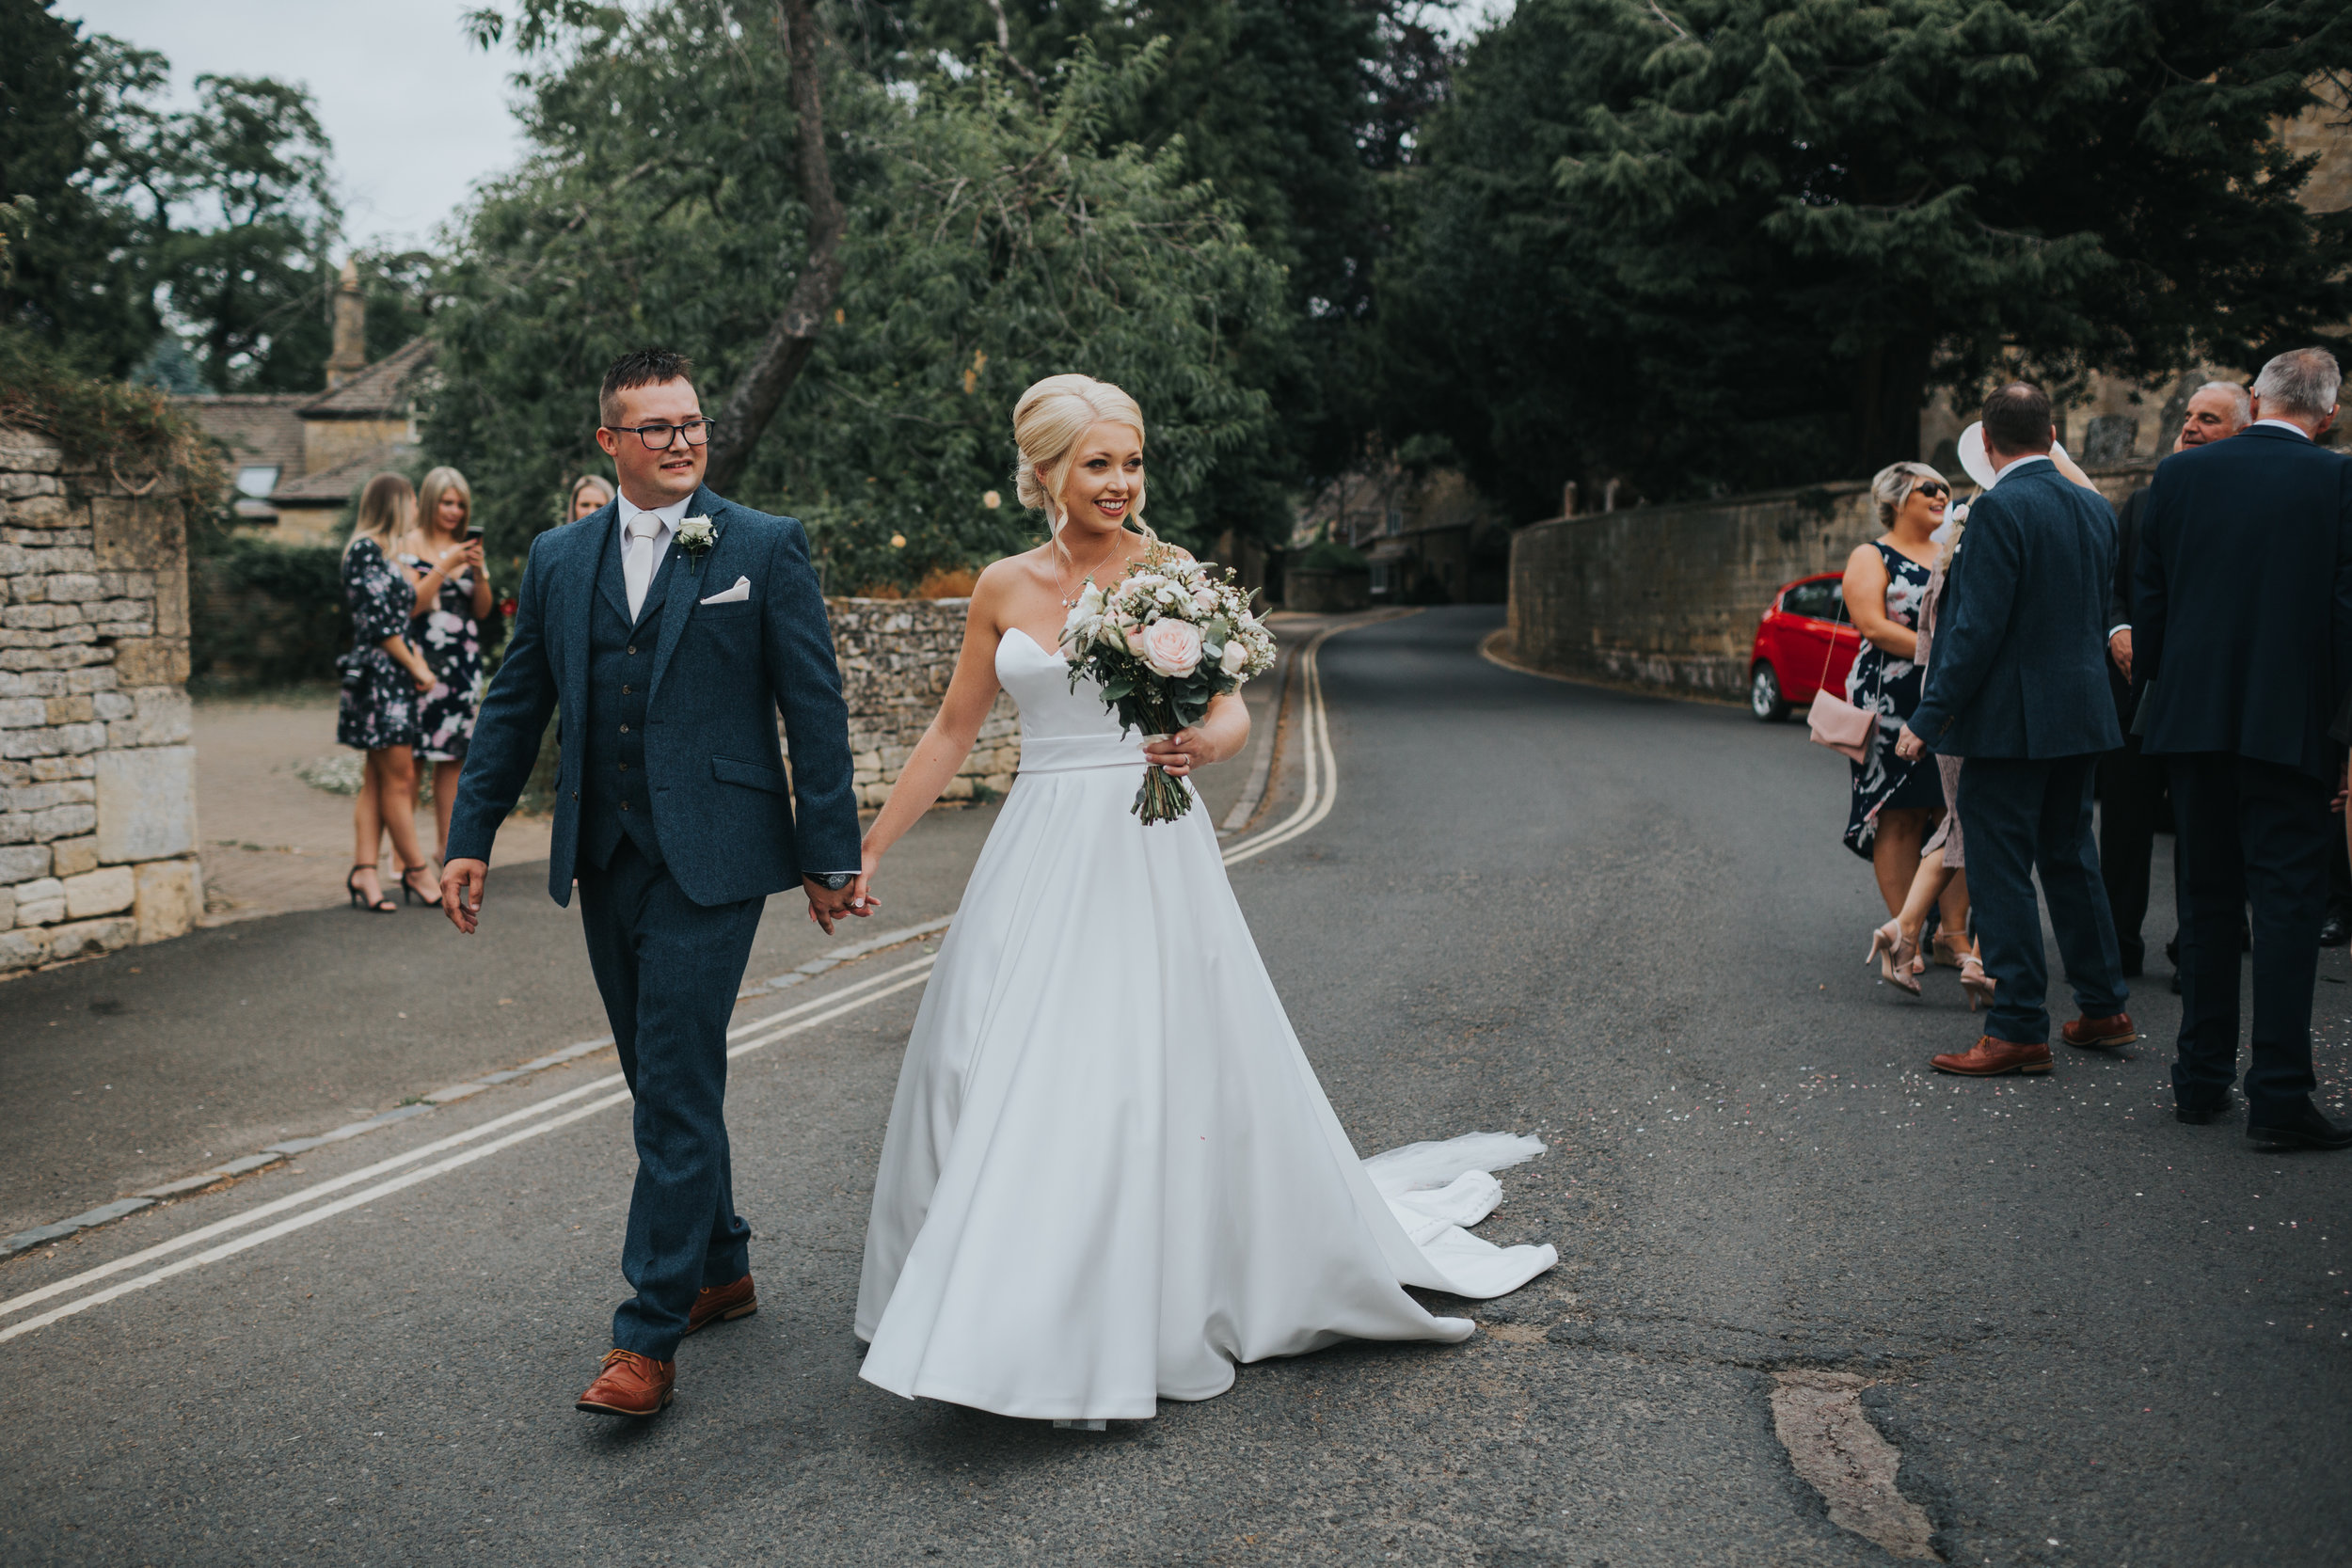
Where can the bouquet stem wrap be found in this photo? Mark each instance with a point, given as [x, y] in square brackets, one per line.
[1163, 642]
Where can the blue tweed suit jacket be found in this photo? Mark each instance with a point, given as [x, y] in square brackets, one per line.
[723, 804]
[2019, 667]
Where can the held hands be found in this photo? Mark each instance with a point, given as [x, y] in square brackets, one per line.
[825, 906]
[1908, 746]
[462, 882]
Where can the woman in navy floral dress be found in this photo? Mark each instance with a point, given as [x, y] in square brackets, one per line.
[451, 600]
[383, 678]
[1896, 802]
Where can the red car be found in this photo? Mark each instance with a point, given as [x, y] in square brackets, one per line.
[1804, 643]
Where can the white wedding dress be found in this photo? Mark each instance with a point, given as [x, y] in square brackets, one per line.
[1110, 1173]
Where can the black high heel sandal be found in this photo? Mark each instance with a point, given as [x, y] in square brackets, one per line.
[383, 904]
[408, 889]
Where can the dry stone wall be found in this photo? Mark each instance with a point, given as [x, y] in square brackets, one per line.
[1669, 596]
[97, 778]
[897, 656]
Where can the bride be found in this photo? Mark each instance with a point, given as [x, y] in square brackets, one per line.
[1110, 1173]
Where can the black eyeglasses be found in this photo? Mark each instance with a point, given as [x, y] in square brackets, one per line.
[1928, 487]
[660, 437]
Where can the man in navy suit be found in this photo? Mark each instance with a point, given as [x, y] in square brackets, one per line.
[2018, 685]
[2244, 634]
[2131, 784]
[669, 629]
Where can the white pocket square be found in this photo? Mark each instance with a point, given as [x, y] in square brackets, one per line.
[737, 595]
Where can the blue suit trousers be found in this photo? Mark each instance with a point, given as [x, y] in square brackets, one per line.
[669, 970]
[2022, 815]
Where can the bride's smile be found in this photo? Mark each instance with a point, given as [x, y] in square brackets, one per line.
[1105, 484]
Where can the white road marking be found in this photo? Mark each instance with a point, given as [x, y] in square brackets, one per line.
[1322, 791]
[905, 975]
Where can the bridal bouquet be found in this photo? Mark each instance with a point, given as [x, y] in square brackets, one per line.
[1163, 640]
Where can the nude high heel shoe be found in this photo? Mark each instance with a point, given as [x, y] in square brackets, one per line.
[1897, 961]
[1974, 981]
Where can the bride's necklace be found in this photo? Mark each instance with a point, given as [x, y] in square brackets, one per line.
[1070, 598]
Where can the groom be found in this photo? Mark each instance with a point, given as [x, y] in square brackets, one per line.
[669, 628]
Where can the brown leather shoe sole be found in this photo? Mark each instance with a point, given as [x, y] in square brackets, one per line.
[596, 1409]
[2042, 1066]
[744, 1310]
[2099, 1043]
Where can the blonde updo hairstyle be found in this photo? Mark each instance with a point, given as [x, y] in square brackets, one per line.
[1047, 425]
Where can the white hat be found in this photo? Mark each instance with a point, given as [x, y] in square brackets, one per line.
[1979, 463]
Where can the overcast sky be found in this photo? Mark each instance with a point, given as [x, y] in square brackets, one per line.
[415, 113]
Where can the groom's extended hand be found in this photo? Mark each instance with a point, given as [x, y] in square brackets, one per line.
[462, 881]
[825, 906]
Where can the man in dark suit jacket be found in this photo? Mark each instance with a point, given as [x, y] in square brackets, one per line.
[2243, 593]
[2018, 687]
[2131, 784]
[669, 628]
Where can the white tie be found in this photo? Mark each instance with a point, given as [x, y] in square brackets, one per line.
[637, 559]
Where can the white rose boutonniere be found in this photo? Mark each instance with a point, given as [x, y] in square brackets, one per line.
[695, 536]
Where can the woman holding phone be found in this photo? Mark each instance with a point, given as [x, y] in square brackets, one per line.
[443, 557]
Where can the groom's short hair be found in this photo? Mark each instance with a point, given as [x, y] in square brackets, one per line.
[2017, 420]
[640, 366]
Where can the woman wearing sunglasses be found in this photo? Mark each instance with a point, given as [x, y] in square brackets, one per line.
[1896, 802]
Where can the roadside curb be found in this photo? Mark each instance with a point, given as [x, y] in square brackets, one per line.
[39, 1235]
[1492, 648]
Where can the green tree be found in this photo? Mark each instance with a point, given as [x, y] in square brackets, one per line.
[250, 279]
[1735, 241]
[989, 232]
[75, 276]
[1290, 109]
[213, 224]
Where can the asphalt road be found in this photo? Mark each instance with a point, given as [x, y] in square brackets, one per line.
[1625, 925]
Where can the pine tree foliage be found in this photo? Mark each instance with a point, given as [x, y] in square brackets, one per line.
[1736, 241]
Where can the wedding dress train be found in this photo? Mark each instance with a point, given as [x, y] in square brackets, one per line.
[1110, 1173]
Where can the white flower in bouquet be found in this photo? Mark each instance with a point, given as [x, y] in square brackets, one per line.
[1172, 647]
[1235, 657]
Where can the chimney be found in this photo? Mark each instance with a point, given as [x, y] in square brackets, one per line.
[351, 329]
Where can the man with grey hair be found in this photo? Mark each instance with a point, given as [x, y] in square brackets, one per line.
[2131, 784]
[2243, 591]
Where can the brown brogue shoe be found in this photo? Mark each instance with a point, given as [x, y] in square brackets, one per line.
[721, 1304]
[630, 1385]
[2100, 1034]
[1990, 1058]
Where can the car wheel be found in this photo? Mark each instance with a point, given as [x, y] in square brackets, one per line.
[1764, 696]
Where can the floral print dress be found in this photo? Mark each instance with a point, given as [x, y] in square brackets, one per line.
[1891, 688]
[451, 641]
[378, 707]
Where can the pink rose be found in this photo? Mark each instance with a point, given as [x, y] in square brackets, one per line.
[1134, 640]
[1172, 647]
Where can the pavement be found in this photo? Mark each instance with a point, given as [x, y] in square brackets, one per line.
[2085, 1332]
[272, 843]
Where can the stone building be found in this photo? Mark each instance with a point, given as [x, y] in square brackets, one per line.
[97, 778]
[295, 458]
[1429, 535]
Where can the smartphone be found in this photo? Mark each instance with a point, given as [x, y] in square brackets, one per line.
[472, 534]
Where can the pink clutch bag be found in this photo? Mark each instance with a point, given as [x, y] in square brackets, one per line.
[1839, 725]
